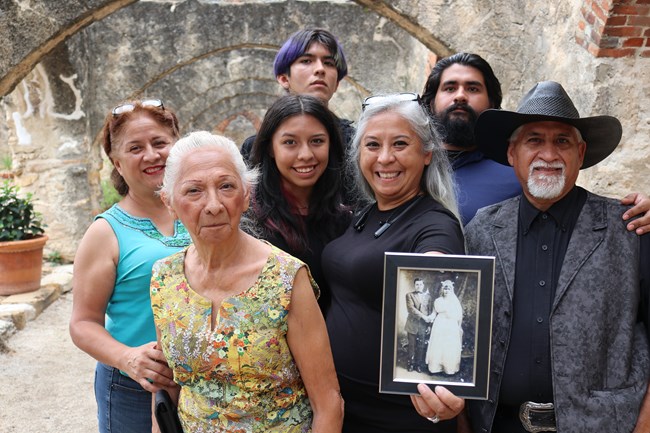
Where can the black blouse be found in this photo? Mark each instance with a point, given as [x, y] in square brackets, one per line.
[353, 266]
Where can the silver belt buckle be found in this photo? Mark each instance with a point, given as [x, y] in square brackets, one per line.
[545, 410]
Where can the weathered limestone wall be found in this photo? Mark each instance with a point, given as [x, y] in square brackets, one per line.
[50, 155]
[211, 61]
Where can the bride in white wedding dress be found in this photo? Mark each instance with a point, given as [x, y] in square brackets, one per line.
[446, 340]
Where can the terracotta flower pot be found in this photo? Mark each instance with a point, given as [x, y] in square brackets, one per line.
[21, 263]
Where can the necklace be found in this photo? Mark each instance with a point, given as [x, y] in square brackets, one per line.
[361, 222]
[384, 221]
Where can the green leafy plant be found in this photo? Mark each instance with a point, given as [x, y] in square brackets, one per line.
[18, 220]
[110, 196]
[6, 162]
[54, 257]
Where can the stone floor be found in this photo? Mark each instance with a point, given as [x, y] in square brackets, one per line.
[46, 383]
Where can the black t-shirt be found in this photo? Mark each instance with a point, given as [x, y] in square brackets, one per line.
[354, 267]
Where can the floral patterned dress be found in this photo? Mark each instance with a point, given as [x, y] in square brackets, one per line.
[241, 376]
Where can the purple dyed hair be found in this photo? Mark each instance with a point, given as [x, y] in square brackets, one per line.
[299, 43]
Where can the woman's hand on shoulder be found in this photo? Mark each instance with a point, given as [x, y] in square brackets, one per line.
[440, 404]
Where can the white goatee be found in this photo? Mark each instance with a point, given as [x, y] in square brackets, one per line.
[546, 186]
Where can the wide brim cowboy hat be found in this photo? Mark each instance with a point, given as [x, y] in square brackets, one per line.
[546, 101]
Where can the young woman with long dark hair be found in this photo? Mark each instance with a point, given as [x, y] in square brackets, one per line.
[297, 204]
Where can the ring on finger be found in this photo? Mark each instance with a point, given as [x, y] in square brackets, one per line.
[434, 419]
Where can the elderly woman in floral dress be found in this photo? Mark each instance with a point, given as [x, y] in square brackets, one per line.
[237, 318]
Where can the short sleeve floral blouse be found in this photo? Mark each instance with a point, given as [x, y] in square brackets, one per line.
[239, 377]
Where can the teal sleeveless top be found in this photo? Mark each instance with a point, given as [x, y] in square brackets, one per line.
[128, 315]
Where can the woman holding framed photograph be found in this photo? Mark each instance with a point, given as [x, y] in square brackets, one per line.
[404, 173]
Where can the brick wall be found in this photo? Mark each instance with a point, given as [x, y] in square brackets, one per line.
[615, 28]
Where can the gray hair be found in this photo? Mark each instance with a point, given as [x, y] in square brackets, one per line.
[437, 178]
[515, 134]
[203, 140]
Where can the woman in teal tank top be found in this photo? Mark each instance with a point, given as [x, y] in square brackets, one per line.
[111, 318]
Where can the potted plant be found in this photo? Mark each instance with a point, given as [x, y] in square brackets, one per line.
[21, 242]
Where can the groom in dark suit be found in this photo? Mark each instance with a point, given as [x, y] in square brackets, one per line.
[419, 305]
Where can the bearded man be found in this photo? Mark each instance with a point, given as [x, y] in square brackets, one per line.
[569, 349]
[459, 88]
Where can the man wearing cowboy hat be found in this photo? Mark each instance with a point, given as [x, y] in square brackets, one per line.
[568, 351]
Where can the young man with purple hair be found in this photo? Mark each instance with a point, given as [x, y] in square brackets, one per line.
[310, 62]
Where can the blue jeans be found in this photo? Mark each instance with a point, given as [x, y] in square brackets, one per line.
[123, 406]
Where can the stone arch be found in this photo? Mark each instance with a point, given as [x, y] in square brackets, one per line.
[26, 64]
[80, 18]
[266, 98]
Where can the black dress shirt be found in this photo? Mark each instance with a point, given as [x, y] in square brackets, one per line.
[542, 241]
[644, 267]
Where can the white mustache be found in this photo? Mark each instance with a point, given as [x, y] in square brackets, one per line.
[542, 164]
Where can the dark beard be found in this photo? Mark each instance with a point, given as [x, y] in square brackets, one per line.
[457, 131]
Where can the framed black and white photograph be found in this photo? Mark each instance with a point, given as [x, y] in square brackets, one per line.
[437, 323]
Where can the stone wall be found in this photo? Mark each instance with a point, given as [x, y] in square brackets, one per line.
[67, 63]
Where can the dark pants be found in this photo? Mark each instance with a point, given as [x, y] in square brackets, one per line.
[507, 420]
[368, 411]
[417, 349]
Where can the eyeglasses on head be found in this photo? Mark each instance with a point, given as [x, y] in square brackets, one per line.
[403, 97]
[130, 106]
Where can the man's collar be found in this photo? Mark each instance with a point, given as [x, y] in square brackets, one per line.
[559, 211]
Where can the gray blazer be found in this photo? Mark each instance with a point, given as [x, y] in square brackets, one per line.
[599, 352]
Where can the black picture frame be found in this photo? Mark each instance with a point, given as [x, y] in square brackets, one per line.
[465, 370]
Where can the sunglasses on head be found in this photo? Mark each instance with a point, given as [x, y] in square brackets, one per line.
[404, 96]
[130, 106]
